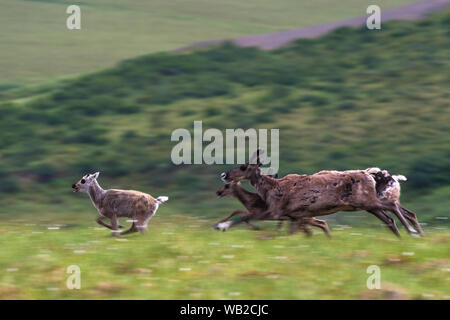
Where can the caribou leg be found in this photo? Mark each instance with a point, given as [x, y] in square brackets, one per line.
[293, 226]
[411, 216]
[100, 219]
[299, 223]
[279, 225]
[322, 224]
[225, 225]
[390, 223]
[115, 226]
[395, 208]
[305, 228]
[235, 212]
[131, 230]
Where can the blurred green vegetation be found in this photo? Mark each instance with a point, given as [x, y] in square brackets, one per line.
[38, 47]
[355, 98]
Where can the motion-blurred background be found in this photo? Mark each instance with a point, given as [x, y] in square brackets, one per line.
[107, 98]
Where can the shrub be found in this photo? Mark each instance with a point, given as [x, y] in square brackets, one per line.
[88, 135]
[43, 171]
[315, 99]
[211, 112]
[348, 105]
[9, 185]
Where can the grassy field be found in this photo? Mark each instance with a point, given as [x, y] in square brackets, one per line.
[351, 99]
[183, 258]
[36, 47]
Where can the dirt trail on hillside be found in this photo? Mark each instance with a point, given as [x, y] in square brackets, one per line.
[274, 40]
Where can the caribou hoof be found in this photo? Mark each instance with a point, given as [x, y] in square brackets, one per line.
[222, 226]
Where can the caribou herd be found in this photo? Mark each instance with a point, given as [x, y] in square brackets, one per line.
[299, 199]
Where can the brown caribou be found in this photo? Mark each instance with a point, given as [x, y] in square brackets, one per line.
[254, 205]
[326, 192]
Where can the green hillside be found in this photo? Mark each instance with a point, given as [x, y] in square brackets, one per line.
[354, 98]
[36, 47]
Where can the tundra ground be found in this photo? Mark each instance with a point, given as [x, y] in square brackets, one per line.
[182, 257]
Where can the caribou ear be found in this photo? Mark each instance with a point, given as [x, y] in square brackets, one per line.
[259, 152]
[255, 156]
[95, 175]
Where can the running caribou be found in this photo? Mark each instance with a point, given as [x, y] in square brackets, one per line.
[113, 204]
[254, 205]
[300, 196]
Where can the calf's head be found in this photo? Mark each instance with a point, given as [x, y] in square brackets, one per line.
[224, 191]
[227, 189]
[244, 171]
[85, 182]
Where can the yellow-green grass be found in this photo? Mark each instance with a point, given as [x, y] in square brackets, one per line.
[182, 257]
[36, 45]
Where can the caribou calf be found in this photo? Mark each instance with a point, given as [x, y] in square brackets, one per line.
[114, 203]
